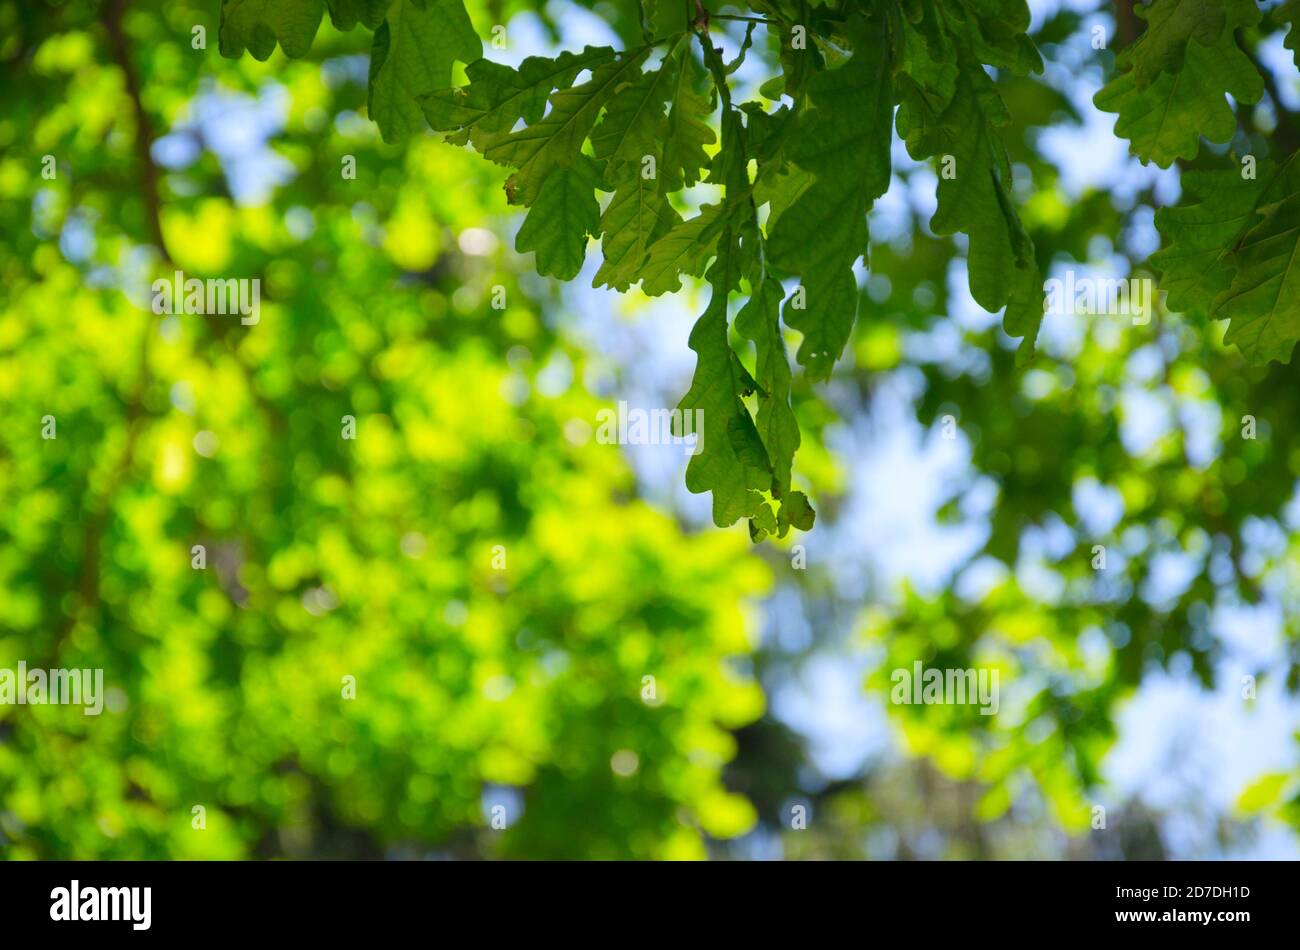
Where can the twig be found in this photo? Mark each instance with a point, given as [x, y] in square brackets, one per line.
[701, 21]
[98, 510]
[112, 19]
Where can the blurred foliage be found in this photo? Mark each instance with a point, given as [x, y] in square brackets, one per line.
[375, 558]
[1074, 641]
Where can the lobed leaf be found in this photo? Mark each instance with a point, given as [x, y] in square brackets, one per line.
[1164, 121]
[1172, 24]
[346, 14]
[413, 53]
[1233, 252]
[843, 142]
[565, 213]
[258, 25]
[974, 194]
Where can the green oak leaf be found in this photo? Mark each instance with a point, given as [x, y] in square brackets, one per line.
[686, 248]
[819, 237]
[687, 133]
[843, 140]
[636, 217]
[1231, 253]
[997, 31]
[553, 140]
[1263, 301]
[1199, 235]
[557, 225]
[927, 59]
[346, 14]
[974, 195]
[634, 123]
[779, 182]
[763, 522]
[258, 25]
[1290, 13]
[795, 512]
[1165, 120]
[640, 225]
[798, 65]
[413, 53]
[730, 460]
[497, 96]
[733, 459]
[780, 186]
[1172, 24]
[759, 321]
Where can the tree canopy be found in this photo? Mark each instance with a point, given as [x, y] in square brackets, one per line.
[871, 197]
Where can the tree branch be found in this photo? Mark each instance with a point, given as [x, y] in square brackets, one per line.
[1127, 24]
[114, 10]
[98, 507]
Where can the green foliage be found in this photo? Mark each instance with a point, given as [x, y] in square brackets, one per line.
[1233, 255]
[372, 558]
[1165, 119]
[955, 116]
[414, 50]
[1263, 301]
[841, 141]
[258, 25]
[1230, 247]
[733, 464]
[346, 14]
[637, 128]
[565, 212]
[1290, 12]
[1172, 23]
[821, 163]
[1202, 232]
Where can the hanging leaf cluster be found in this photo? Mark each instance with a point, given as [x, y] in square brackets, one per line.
[603, 145]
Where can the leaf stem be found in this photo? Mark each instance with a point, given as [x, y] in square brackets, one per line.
[701, 20]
